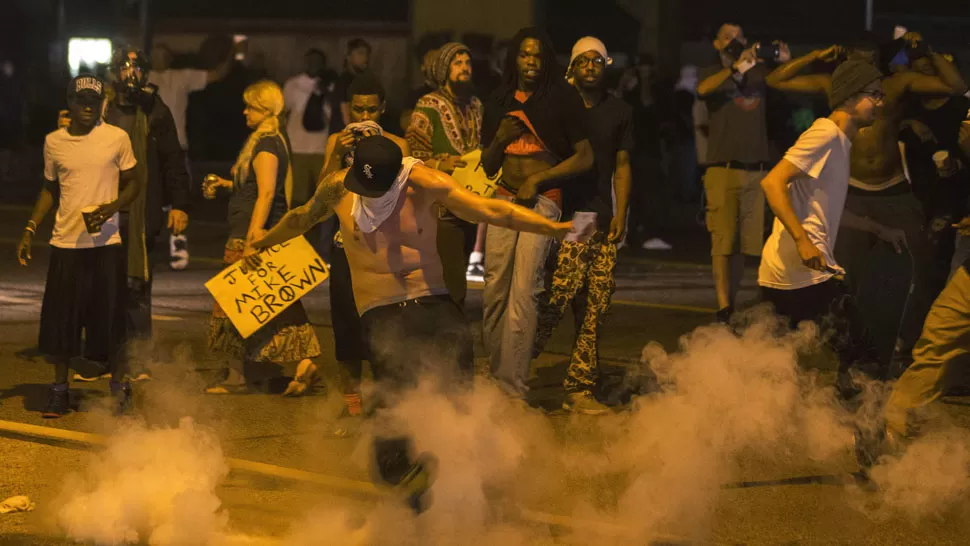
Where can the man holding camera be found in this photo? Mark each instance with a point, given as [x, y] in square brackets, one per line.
[738, 154]
[880, 190]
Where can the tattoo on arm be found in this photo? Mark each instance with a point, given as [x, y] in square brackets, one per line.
[299, 220]
[321, 206]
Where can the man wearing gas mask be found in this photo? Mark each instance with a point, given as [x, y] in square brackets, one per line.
[135, 107]
[738, 155]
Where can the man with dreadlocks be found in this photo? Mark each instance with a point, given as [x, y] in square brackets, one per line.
[533, 130]
[447, 124]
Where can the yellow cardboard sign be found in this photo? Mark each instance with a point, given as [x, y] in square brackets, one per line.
[472, 176]
[251, 297]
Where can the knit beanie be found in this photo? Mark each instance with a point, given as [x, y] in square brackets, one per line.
[442, 65]
[850, 78]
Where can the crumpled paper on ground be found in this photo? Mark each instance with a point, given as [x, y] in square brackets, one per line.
[19, 503]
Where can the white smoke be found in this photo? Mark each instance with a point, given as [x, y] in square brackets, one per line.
[930, 479]
[149, 485]
[651, 472]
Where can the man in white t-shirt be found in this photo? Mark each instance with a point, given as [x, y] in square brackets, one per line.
[89, 176]
[175, 84]
[307, 130]
[807, 192]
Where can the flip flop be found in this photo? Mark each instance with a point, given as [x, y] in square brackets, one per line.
[306, 376]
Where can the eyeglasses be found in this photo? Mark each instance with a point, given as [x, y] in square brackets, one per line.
[874, 94]
[582, 62]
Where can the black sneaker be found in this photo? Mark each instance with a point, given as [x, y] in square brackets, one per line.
[121, 394]
[723, 315]
[871, 444]
[411, 478]
[58, 404]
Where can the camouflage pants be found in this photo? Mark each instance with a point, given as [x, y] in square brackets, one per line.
[580, 266]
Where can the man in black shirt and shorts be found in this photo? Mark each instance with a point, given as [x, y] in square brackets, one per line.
[584, 273]
[89, 171]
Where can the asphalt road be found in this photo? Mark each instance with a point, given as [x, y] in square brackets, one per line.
[761, 499]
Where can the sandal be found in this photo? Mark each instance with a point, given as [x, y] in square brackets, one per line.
[306, 376]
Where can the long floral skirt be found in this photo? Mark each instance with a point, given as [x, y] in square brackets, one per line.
[288, 337]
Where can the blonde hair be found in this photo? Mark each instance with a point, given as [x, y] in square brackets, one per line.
[264, 95]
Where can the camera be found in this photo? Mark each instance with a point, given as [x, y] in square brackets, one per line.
[734, 49]
[769, 52]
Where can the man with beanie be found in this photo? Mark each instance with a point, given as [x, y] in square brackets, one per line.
[386, 205]
[584, 270]
[90, 175]
[445, 125]
[880, 189]
[738, 152]
[807, 192]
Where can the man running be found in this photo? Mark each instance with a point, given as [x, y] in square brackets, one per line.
[386, 205]
[879, 188]
[807, 192]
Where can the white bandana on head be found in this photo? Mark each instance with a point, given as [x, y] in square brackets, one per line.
[370, 212]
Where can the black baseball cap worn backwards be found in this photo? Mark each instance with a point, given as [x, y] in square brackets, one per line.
[377, 160]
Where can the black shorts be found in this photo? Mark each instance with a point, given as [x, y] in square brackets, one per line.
[85, 291]
[348, 336]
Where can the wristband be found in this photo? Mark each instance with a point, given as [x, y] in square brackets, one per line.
[30, 230]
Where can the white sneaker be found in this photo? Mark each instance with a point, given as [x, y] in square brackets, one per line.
[656, 244]
[584, 403]
[178, 250]
[475, 273]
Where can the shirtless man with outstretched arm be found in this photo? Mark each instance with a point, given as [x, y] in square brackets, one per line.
[386, 205]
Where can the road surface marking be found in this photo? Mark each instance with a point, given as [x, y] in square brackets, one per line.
[25, 432]
[166, 318]
[18, 301]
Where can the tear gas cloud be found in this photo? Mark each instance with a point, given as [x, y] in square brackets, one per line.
[652, 472]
